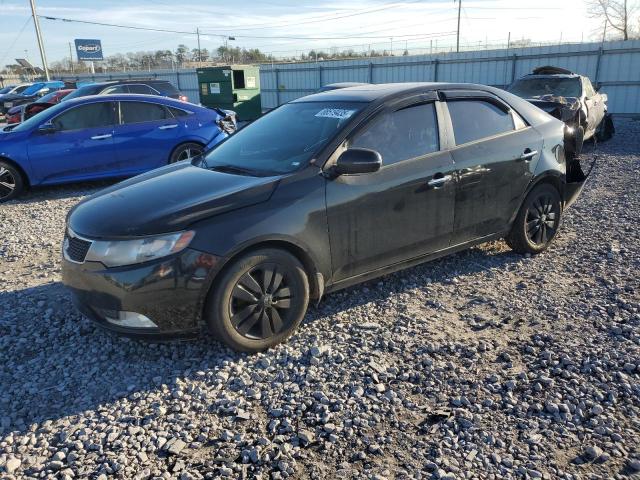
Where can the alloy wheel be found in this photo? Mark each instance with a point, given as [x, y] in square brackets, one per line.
[7, 182]
[260, 302]
[542, 220]
[189, 153]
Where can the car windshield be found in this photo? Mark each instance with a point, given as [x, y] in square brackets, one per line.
[38, 118]
[537, 87]
[83, 92]
[6, 90]
[282, 141]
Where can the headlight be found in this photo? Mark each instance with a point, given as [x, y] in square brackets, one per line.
[116, 253]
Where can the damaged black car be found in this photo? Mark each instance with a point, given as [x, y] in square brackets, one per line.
[571, 98]
[321, 193]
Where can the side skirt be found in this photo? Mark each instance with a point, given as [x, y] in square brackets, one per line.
[348, 282]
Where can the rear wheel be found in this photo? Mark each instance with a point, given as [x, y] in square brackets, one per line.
[606, 129]
[537, 222]
[259, 301]
[186, 151]
[11, 182]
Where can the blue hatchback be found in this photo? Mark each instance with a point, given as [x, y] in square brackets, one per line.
[101, 137]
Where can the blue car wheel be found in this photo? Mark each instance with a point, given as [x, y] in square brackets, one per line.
[11, 182]
[186, 151]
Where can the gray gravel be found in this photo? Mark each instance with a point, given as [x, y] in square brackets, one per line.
[485, 364]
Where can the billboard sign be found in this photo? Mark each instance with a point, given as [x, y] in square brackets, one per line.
[88, 49]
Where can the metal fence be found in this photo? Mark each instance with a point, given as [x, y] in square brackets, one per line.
[615, 66]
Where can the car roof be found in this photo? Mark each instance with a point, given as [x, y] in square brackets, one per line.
[133, 81]
[134, 96]
[551, 75]
[383, 91]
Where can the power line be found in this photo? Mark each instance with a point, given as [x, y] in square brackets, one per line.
[292, 37]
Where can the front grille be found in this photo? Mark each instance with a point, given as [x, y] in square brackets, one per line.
[77, 248]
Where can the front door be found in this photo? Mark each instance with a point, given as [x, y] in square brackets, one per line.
[495, 155]
[145, 137]
[404, 210]
[80, 147]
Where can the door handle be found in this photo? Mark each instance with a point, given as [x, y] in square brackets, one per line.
[438, 182]
[167, 127]
[101, 137]
[528, 154]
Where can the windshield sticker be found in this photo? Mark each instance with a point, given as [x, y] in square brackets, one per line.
[335, 113]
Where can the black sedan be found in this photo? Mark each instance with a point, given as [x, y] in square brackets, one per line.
[321, 193]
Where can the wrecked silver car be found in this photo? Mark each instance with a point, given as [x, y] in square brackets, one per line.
[571, 98]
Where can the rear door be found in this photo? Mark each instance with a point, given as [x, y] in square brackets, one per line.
[145, 135]
[404, 210]
[495, 155]
[80, 148]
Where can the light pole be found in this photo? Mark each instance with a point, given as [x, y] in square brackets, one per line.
[458, 34]
[36, 24]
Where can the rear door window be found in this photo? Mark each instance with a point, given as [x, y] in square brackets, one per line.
[114, 90]
[476, 119]
[143, 89]
[406, 133]
[93, 115]
[165, 88]
[178, 112]
[138, 112]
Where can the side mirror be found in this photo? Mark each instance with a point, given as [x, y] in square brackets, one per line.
[46, 129]
[358, 160]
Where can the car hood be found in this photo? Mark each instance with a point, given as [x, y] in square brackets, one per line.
[166, 200]
[563, 108]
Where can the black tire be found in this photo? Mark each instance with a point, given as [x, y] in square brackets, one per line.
[11, 182]
[537, 222]
[578, 140]
[606, 129]
[186, 151]
[259, 300]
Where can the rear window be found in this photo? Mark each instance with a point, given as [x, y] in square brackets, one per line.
[85, 91]
[165, 88]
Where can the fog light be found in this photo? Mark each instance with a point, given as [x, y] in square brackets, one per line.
[127, 319]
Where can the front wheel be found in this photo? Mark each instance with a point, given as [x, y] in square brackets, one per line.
[11, 182]
[537, 222]
[259, 300]
[186, 151]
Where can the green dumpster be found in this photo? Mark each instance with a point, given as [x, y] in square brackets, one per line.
[232, 87]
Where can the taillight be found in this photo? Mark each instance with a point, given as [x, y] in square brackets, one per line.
[183, 98]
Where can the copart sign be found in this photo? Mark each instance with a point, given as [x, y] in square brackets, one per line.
[88, 49]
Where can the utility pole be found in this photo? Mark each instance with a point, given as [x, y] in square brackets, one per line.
[36, 24]
[199, 54]
[70, 57]
[458, 34]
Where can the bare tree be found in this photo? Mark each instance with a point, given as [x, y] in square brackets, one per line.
[618, 14]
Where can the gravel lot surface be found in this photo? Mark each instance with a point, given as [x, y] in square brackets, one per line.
[485, 364]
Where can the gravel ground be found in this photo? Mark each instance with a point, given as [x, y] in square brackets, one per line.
[485, 364]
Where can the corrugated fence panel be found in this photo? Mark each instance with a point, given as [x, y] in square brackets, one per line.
[614, 65]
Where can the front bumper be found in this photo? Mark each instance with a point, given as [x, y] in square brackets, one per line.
[170, 292]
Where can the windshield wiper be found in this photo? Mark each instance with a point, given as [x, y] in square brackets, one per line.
[235, 169]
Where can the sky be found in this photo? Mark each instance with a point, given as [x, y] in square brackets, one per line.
[287, 27]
